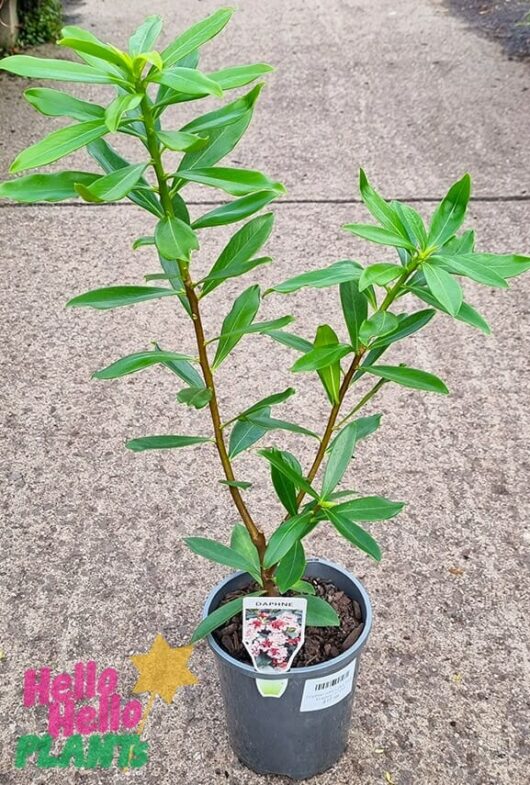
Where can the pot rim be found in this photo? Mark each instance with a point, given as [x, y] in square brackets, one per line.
[310, 670]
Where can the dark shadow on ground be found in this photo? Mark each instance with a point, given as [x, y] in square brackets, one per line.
[505, 21]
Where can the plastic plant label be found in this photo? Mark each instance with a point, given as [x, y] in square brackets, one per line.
[273, 633]
[328, 690]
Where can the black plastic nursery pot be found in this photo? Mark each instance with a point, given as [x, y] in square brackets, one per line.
[305, 730]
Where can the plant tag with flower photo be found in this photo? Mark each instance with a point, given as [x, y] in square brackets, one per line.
[273, 633]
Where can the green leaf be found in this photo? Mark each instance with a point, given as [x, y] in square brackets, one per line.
[284, 487]
[217, 552]
[285, 536]
[291, 340]
[320, 613]
[99, 50]
[189, 81]
[237, 182]
[353, 533]
[316, 359]
[175, 239]
[370, 508]
[450, 213]
[407, 326]
[466, 265]
[45, 187]
[226, 115]
[303, 587]
[241, 315]
[145, 36]
[317, 279]
[58, 144]
[240, 249]
[381, 323]
[241, 542]
[408, 377]
[239, 75]
[466, 313]
[381, 210]
[181, 140]
[444, 287]
[340, 455]
[277, 458]
[55, 103]
[196, 36]
[506, 265]
[236, 484]
[110, 161]
[459, 245]
[412, 223]
[198, 397]
[137, 362]
[48, 68]
[219, 616]
[257, 327]
[116, 296]
[361, 427]
[172, 270]
[117, 108]
[270, 400]
[377, 235]
[330, 374]
[141, 242]
[272, 424]
[236, 210]
[236, 270]
[243, 435]
[379, 274]
[114, 186]
[291, 568]
[164, 442]
[355, 309]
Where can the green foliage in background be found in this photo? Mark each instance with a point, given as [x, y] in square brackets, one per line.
[40, 21]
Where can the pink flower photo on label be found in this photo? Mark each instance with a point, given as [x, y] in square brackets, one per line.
[273, 634]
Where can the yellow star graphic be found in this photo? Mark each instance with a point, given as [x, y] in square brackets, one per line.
[163, 669]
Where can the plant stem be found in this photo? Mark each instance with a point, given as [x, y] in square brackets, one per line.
[369, 395]
[256, 534]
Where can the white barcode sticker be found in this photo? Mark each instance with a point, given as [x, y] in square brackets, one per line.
[324, 692]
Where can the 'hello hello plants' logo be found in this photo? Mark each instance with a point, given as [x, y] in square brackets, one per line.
[90, 724]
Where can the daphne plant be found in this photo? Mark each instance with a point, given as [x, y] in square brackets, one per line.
[379, 302]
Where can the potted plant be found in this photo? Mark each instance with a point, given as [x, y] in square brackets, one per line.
[304, 730]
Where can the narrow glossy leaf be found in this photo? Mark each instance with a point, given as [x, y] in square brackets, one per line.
[197, 397]
[137, 362]
[152, 57]
[361, 428]
[116, 296]
[237, 182]
[355, 309]
[184, 370]
[303, 587]
[381, 323]
[141, 242]
[236, 210]
[175, 239]
[340, 456]
[407, 326]
[241, 542]
[244, 434]
[285, 487]
[164, 442]
[379, 208]
[110, 161]
[285, 536]
[272, 424]
[239, 75]
[379, 274]
[230, 113]
[181, 140]
[241, 315]
[240, 248]
[45, 187]
[121, 104]
[466, 313]
[221, 141]
[353, 533]
[444, 287]
[276, 458]
[144, 38]
[466, 265]
[237, 484]
[377, 235]
[291, 568]
[99, 50]
[320, 358]
[412, 223]
[409, 377]
[319, 613]
[464, 244]
[219, 616]
[235, 270]
[258, 327]
[61, 70]
[217, 552]
[189, 81]
[450, 213]
[196, 36]
[55, 103]
[172, 270]
[113, 186]
[291, 340]
[370, 508]
[330, 374]
[58, 144]
[270, 400]
[317, 279]
[506, 265]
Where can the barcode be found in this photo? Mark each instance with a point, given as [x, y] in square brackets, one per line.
[324, 685]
